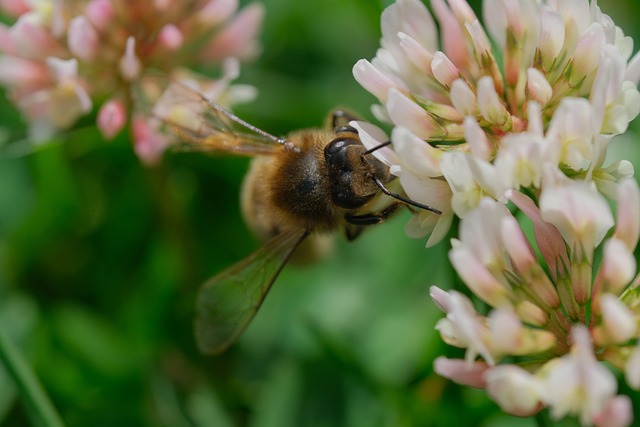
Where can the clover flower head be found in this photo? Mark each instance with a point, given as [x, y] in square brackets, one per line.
[539, 84]
[60, 58]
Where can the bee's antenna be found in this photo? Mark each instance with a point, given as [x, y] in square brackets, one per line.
[386, 191]
[376, 148]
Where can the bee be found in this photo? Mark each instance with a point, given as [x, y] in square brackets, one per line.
[312, 182]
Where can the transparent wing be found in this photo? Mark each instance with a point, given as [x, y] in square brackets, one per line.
[226, 303]
[186, 109]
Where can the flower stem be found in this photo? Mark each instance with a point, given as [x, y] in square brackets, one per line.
[38, 404]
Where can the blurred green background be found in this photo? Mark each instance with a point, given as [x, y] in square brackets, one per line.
[101, 258]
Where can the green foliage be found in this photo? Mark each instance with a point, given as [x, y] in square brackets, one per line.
[100, 259]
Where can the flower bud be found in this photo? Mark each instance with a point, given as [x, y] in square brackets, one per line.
[82, 38]
[111, 118]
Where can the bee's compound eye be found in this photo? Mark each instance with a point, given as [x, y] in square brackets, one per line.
[337, 145]
[346, 128]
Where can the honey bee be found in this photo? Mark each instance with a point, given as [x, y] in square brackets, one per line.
[312, 182]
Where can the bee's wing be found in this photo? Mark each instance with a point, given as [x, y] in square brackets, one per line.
[226, 303]
[188, 111]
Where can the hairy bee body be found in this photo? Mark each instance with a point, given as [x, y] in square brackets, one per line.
[297, 191]
[290, 189]
[302, 189]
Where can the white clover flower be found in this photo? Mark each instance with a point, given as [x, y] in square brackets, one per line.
[553, 313]
[565, 85]
[521, 110]
[61, 57]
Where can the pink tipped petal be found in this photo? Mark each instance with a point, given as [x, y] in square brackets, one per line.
[130, 65]
[461, 372]
[22, 73]
[587, 54]
[538, 87]
[618, 322]
[217, 11]
[551, 35]
[582, 215]
[100, 13]
[412, 18]
[628, 217]
[479, 38]
[373, 80]
[33, 41]
[170, 37]
[516, 244]
[111, 118]
[417, 54]
[149, 144]
[463, 98]
[15, 7]
[452, 35]
[495, 20]
[404, 112]
[618, 266]
[7, 45]
[477, 278]
[548, 238]
[238, 38]
[443, 69]
[440, 298]
[617, 413]
[82, 38]
[467, 328]
[462, 11]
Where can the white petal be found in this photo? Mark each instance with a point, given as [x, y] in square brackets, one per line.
[632, 368]
[490, 104]
[551, 35]
[404, 112]
[628, 217]
[618, 265]
[619, 323]
[416, 154]
[372, 136]
[477, 139]
[538, 87]
[463, 98]
[515, 390]
[443, 69]
[581, 214]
